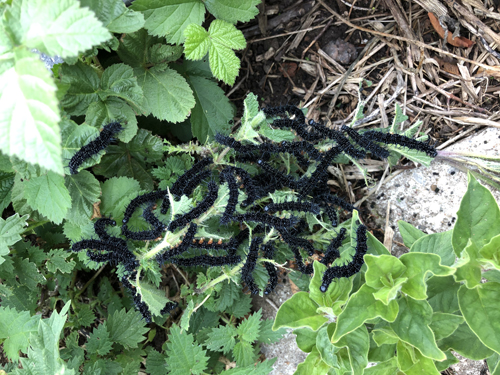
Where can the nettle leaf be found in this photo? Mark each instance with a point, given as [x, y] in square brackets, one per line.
[221, 339]
[170, 19]
[85, 316]
[99, 341]
[167, 94]
[248, 330]
[479, 307]
[154, 297]
[241, 308]
[184, 355]
[222, 38]
[27, 273]
[29, 112]
[412, 326]
[49, 196]
[233, 10]
[15, 328]
[10, 231]
[57, 261]
[115, 15]
[156, 363]
[244, 354]
[43, 351]
[64, 29]
[84, 190]
[126, 328]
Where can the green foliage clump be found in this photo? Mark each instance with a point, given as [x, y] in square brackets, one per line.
[407, 314]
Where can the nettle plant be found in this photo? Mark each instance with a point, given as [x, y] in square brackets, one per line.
[407, 314]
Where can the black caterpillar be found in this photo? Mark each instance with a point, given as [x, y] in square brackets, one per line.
[313, 193]
[94, 147]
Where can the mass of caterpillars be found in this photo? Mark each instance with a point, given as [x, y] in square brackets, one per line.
[314, 197]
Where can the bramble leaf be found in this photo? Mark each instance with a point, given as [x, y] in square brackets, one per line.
[84, 190]
[184, 357]
[83, 83]
[10, 231]
[64, 29]
[115, 15]
[15, 328]
[170, 19]
[233, 10]
[126, 328]
[49, 196]
[29, 112]
[197, 42]
[99, 342]
[221, 339]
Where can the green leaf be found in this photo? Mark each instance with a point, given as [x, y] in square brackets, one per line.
[450, 360]
[248, 329]
[325, 348]
[184, 357]
[27, 273]
[298, 312]
[418, 266]
[361, 307]
[166, 93]
[412, 362]
[212, 111]
[385, 273]
[186, 316]
[84, 83]
[244, 354]
[306, 339]
[313, 365]
[479, 307]
[119, 81]
[86, 316]
[160, 53]
[57, 261]
[384, 335]
[442, 294]
[49, 196]
[10, 231]
[197, 42]
[6, 184]
[412, 326]
[115, 15]
[154, 297]
[477, 219]
[29, 112]
[267, 335]
[63, 29]
[358, 345]
[468, 266]
[126, 328]
[43, 351]
[491, 253]
[233, 10]
[389, 367]
[170, 19]
[337, 293]
[221, 39]
[494, 364]
[221, 339]
[436, 243]
[156, 363]
[409, 233]
[251, 119]
[465, 343]
[117, 192]
[241, 308]
[443, 325]
[84, 191]
[99, 342]
[15, 327]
